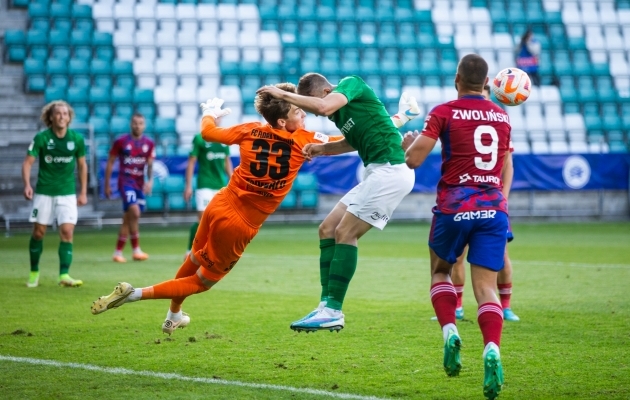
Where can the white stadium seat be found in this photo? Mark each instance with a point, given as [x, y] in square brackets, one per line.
[558, 147]
[144, 11]
[206, 12]
[186, 11]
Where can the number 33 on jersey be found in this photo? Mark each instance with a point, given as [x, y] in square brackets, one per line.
[475, 136]
[270, 159]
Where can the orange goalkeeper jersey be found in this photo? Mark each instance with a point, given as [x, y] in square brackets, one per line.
[270, 160]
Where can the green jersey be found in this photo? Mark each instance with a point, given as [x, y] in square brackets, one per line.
[57, 160]
[366, 125]
[211, 163]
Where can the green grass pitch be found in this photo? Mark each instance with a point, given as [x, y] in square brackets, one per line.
[571, 290]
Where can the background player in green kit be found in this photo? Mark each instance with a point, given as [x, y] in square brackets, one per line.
[215, 169]
[367, 127]
[58, 149]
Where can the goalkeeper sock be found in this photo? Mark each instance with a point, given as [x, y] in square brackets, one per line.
[191, 236]
[327, 252]
[35, 249]
[342, 269]
[65, 257]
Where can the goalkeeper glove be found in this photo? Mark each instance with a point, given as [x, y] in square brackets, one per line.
[407, 110]
[212, 107]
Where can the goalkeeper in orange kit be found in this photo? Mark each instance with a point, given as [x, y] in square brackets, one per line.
[271, 156]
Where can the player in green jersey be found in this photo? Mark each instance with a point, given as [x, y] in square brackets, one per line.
[215, 169]
[58, 149]
[367, 127]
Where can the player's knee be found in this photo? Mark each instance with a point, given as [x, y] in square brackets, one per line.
[38, 232]
[326, 230]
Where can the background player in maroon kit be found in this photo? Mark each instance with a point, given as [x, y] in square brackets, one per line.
[471, 210]
[133, 151]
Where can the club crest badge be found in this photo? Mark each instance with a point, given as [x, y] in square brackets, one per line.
[70, 146]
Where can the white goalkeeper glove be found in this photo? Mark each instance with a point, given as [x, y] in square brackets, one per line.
[212, 107]
[407, 110]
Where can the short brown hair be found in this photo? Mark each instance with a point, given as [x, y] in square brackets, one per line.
[473, 71]
[50, 107]
[273, 109]
[310, 83]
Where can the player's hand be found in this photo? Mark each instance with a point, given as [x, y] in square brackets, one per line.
[107, 191]
[28, 193]
[407, 110]
[82, 199]
[187, 193]
[148, 187]
[212, 107]
[408, 139]
[312, 150]
[271, 90]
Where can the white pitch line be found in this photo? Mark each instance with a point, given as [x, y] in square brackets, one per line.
[171, 376]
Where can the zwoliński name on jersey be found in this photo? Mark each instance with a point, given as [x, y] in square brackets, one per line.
[481, 115]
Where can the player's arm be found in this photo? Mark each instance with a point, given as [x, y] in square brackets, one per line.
[26, 176]
[190, 170]
[507, 174]
[108, 173]
[210, 132]
[148, 185]
[335, 145]
[325, 106]
[407, 110]
[83, 174]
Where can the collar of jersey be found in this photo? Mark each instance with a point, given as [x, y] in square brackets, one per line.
[473, 96]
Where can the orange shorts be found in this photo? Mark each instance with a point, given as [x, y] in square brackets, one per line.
[221, 237]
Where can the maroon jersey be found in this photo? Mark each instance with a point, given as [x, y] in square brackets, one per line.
[475, 136]
[132, 158]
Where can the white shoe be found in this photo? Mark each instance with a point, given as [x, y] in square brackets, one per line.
[113, 300]
[169, 326]
[327, 318]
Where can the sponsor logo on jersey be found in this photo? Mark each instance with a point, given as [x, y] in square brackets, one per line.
[134, 160]
[322, 137]
[479, 179]
[480, 115]
[470, 215]
[70, 146]
[347, 126]
[57, 160]
[215, 156]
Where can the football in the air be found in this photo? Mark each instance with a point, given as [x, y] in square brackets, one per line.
[511, 86]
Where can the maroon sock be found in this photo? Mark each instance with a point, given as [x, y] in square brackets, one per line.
[459, 289]
[505, 294]
[135, 240]
[490, 319]
[120, 244]
[444, 301]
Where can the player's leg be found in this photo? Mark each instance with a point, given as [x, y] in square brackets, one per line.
[133, 219]
[123, 234]
[193, 231]
[504, 282]
[41, 216]
[202, 199]
[371, 203]
[66, 214]
[458, 277]
[485, 254]
[447, 240]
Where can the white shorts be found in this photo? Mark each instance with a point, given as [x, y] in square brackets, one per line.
[47, 208]
[203, 197]
[383, 188]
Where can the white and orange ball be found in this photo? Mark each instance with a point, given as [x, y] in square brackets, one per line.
[511, 86]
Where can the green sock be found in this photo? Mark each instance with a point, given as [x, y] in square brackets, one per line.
[65, 257]
[327, 252]
[191, 236]
[35, 249]
[342, 269]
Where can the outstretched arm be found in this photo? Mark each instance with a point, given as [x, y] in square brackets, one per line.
[418, 151]
[325, 106]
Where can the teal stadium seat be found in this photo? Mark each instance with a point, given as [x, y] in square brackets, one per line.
[63, 25]
[81, 11]
[174, 184]
[83, 53]
[164, 125]
[15, 40]
[58, 37]
[100, 67]
[119, 125]
[78, 67]
[155, 202]
[102, 39]
[60, 10]
[176, 201]
[81, 38]
[37, 10]
[290, 201]
[54, 93]
[100, 125]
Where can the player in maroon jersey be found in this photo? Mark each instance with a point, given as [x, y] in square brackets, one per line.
[133, 151]
[471, 210]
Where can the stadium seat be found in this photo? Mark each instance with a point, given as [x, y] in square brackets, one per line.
[155, 202]
[176, 201]
[290, 201]
[174, 184]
